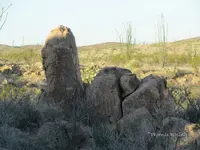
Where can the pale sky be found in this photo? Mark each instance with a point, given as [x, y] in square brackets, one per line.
[94, 21]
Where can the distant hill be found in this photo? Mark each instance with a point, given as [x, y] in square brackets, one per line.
[193, 39]
[101, 45]
[86, 47]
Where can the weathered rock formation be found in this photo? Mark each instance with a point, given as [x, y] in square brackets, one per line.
[61, 65]
[152, 94]
[106, 93]
[128, 83]
[116, 92]
[140, 110]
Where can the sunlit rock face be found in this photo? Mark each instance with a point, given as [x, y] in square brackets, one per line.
[61, 65]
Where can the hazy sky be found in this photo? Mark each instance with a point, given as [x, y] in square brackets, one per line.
[94, 21]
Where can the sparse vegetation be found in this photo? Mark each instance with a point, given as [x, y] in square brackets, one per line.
[29, 120]
[130, 40]
[193, 57]
[162, 40]
[187, 104]
[88, 73]
[21, 55]
[26, 122]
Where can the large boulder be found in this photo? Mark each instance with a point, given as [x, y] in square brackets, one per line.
[136, 128]
[128, 83]
[177, 134]
[61, 65]
[152, 94]
[105, 92]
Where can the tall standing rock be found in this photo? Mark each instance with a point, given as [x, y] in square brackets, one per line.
[61, 65]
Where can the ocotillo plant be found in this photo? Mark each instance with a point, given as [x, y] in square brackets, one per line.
[3, 16]
[162, 30]
[130, 41]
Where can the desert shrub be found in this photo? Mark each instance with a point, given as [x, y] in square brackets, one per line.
[182, 96]
[133, 64]
[88, 73]
[192, 113]
[16, 92]
[20, 114]
[188, 106]
[106, 138]
[12, 92]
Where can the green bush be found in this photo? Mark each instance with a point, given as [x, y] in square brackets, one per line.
[11, 92]
[89, 73]
[190, 107]
[192, 113]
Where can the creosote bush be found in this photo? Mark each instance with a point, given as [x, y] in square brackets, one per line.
[15, 93]
[188, 106]
[88, 73]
